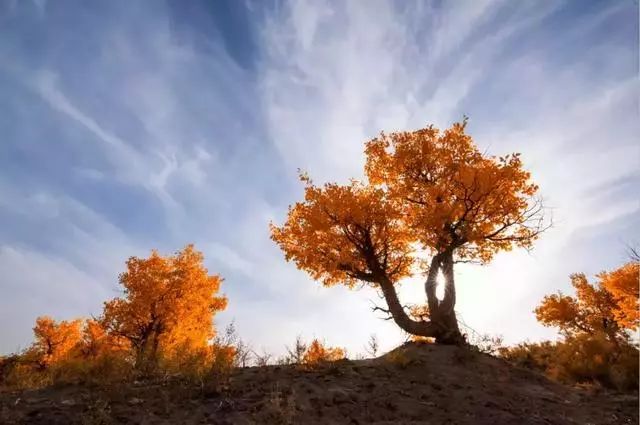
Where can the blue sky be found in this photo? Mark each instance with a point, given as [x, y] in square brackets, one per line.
[128, 126]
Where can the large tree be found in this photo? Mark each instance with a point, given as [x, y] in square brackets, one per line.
[426, 191]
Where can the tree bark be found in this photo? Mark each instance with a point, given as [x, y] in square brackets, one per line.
[449, 300]
[402, 319]
[443, 324]
[442, 313]
[446, 315]
[431, 284]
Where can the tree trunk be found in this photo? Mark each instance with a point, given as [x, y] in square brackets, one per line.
[431, 284]
[139, 354]
[443, 324]
[448, 331]
[442, 312]
[402, 319]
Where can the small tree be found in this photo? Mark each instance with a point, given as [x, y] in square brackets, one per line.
[372, 345]
[263, 358]
[295, 354]
[167, 307]
[596, 325]
[317, 353]
[243, 354]
[427, 191]
[242, 351]
[609, 306]
[623, 285]
[55, 341]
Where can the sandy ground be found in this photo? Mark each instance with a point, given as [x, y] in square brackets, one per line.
[415, 384]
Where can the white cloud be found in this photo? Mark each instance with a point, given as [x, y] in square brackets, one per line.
[337, 77]
[132, 166]
[229, 258]
[44, 284]
[181, 123]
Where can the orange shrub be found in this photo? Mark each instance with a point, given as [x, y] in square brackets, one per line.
[582, 359]
[318, 353]
[55, 341]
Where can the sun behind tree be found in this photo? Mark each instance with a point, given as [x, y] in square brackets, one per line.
[427, 190]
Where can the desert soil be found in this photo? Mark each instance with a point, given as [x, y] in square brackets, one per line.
[415, 384]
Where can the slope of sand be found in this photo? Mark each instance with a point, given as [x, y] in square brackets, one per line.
[414, 384]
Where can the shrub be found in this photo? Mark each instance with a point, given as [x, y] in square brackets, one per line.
[582, 359]
[23, 375]
[318, 353]
[398, 358]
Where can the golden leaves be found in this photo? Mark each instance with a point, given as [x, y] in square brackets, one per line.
[559, 310]
[163, 321]
[453, 196]
[97, 342]
[609, 306]
[168, 305]
[595, 323]
[318, 353]
[424, 188]
[334, 232]
[623, 285]
[54, 341]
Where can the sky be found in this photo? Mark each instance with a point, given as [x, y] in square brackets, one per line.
[133, 125]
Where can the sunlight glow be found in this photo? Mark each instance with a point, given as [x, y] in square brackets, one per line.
[440, 287]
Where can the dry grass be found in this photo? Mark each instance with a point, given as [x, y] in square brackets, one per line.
[408, 385]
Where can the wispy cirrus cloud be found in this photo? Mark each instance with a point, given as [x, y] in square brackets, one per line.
[349, 71]
[162, 126]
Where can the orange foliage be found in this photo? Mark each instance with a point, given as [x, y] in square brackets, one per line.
[97, 342]
[419, 312]
[435, 189]
[317, 353]
[325, 235]
[425, 189]
[623, 284]
[164, 321]
[608, 306]
[583, 358]
[55, 341]
[597, 345]
[168, 305]
[224, 355]
[453, 195]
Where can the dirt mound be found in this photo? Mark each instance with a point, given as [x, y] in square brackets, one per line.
[413, 384]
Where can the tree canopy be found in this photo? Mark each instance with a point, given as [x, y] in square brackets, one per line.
[608, 306]
[168, 304]
[596, 324]
[425, 190]
[452, 195]
[55, 340]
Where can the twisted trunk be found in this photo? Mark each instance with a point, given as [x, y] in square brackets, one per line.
[431, 284]
[446, 315]
[402, 319]
[443, 324]
[442, 312]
